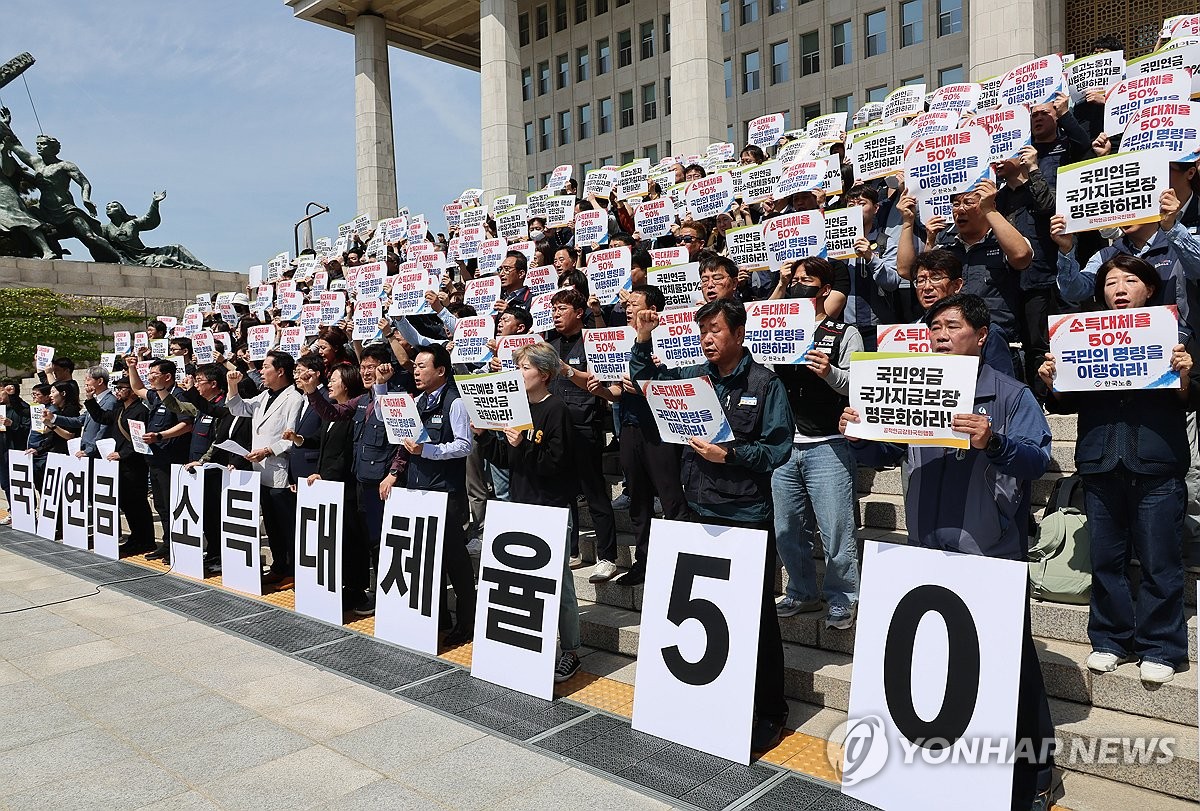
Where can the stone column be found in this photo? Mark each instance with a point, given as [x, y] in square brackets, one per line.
[698, 109]
[1008, 33]
[374, 147]
[502, 130]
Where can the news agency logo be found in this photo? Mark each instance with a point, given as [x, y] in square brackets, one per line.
[858, 749]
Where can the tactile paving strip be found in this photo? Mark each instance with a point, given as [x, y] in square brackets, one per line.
[215, 607]
[287, 632]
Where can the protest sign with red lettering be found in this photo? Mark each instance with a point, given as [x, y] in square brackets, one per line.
[680, 284]
[291, 340]
[758, 181]
[607, 352]
[959, 98]
[676, 339]
[310, 318]
[1035, 82]
[871, 111]
[720, 150]
[369, 281]
[904, 102]
[911, 398]
[401, 418]
[687, 409]
[780, 330]
[418, 229]
[1170, 125]
[320, 282]
[832, 184]
[507, 344]
[122, 342]
[408, 292]
[1182, 25]
[803, 150]
[204, 347]
[560, 210]
[514, 223]
[542, 279]
[1096, 72]
[746, 248]
[608, 273]
[264, 300]
[1193, 64]
[828, 129]
[482, 293]
[1126, 97]
[1115, 190]
[367, 313]
[559, 177]
[1009, 128]
[452, 213]
[261, 340]
[880, 154]
[471, 336]
[333, 307]
[654, 218]
[766, 130]
[491, 255]
[843, 227]
[141, 340]
[1115, 349]
[290, 306]
[495, 401]
[710, 196]
[902, 338]
[947, 164]
[1180, 57]
[794, 236]
[542, 311]
[633, 179]
[470, 241]
[934, 122]
[677, 255]
[44, 355]
[799, 177]
[591, 227]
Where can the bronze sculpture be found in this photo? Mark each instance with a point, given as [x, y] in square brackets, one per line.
[122, 231]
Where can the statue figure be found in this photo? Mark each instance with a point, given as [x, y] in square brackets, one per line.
[122, 232]
[14, 217]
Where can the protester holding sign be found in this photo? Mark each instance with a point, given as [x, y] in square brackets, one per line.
[977, 501]
[1133, 452]
[132, 488]
[730, 484]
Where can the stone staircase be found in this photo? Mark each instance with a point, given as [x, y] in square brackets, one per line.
[1085, 706]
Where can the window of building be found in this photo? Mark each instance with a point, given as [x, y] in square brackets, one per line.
[667, 147]
[842, 104]
[952, 75]
[605, 106]
[728, 78]
[526, 84]
[581, 11]
[877, 93]
[949, 17]
[913, 80]
[666, 29]
[749, 11]
[751, 72]
[584, 168]
[563, 71]
[585, 121]
[778, 6]
[646, 32]
[606, 161]
[603, 57]
[787, 120]
[649, 102]
[624, 48]
[779, 62]
[564, 128]
[543, 78]
[560, 15]
[666, 95]
[530, 185]
[625, 104]
[843, 43]
[544, 134]
[601, 7]
[810, 53]
[545, 179]
[651, 152]
[875, 28]
[581, 64]
[808, 112]
[528, 137]
[911, 24]
[729, 134]
[626, 157]
[523, 29]
[543, 22]
[726, 23]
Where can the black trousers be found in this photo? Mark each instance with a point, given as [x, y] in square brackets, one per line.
[651, 467]
[356, 550]
[160, 488]
[132, 501]
[1040, 304]
[212, 515]
[588, 453]
[279, 520]
[769, 701]
[456, 562]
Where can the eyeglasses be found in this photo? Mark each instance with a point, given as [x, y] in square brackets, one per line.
[508, 267]
[929, 281]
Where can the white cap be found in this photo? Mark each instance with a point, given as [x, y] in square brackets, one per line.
[241, 298]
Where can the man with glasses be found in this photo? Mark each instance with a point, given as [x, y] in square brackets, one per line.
[874, 283]
[512, 283]
[566, 265]
[693, 236]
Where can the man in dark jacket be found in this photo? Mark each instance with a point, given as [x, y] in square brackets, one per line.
[132, 487]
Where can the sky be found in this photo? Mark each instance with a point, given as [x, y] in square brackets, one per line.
[242, 113]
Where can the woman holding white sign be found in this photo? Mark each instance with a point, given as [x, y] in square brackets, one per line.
[1132, 452]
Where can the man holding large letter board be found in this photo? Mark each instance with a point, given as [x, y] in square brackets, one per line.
[730, 484]
[977, 501]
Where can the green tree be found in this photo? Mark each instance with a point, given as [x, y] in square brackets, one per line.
[73, 326]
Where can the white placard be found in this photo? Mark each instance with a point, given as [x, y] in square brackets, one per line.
[599, 182]
[1035, 82]
[122, 342]
[676, 255]
[1116, 190]
[1096, 72]
[137, 435]
[949, 164]
[906, 101]
[699, 636]
[559, 177]
[542, 279]
[50, 502]
[902, 338]
[42, 359]
[401, 418]
[1172, 125]
[291, 340]
[935, 122]
[261, 338]
[830, 129]
[241, 554]
[408, 291]
[843, 228]
[333, 308]
[962, 97]
[710, 196]
[780, 331]
[591, 227]
[1115, 349]
[654, 218]
[911, 398]
[633, 179]
[495, 401]
[506, 345]
[471, 336]
[367, 313]
[607, 352]
[491, 256]
[560, 210]
[204, 347]
[105, 507]
[75, 502]
[745, 247]
[794, 236]
[1126, 97]
[609, 273]
[407, 604]
[482, 294]
[687, 409]
[520, 588]
[799, 176]
[676, 339]
[1010, 130]
[765, 131]
[22, 502]
[319, 543]
[310, 319]
[187, 521]
[935, 656]
[759, 181]
[880, 154]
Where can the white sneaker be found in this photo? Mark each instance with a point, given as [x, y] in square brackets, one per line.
[1099, 661]
[576, 562]
[604, 570]
[1157, 673]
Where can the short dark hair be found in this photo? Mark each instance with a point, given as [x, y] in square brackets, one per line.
[641, 259]
[571, 297]
[520, 258]
[724, 263]
[63, 363]
[441, 358]
[43, 389]
[974, 309]
[215, 373]
[818, 267]
[571, 252]
[183, 343]
[376, 352]
[654, 296]
[313, 362]
[755, 152]
[864, 191]
[1108, 42]
[157, 326]
[351, 378]
[522, 315]
[734, 312]
[624, 237]
[700, 228]
[283, 362]
[696, 167]
[939, 260]
[1127, 264]
[166, 367]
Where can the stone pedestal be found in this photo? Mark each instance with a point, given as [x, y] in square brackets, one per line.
[697, 77]
[503, 138]
[375, 149]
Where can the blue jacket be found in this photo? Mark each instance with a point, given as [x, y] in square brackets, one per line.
[89, 430]
[969, 500]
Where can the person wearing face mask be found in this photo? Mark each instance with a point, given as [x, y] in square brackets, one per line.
[817, 481]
